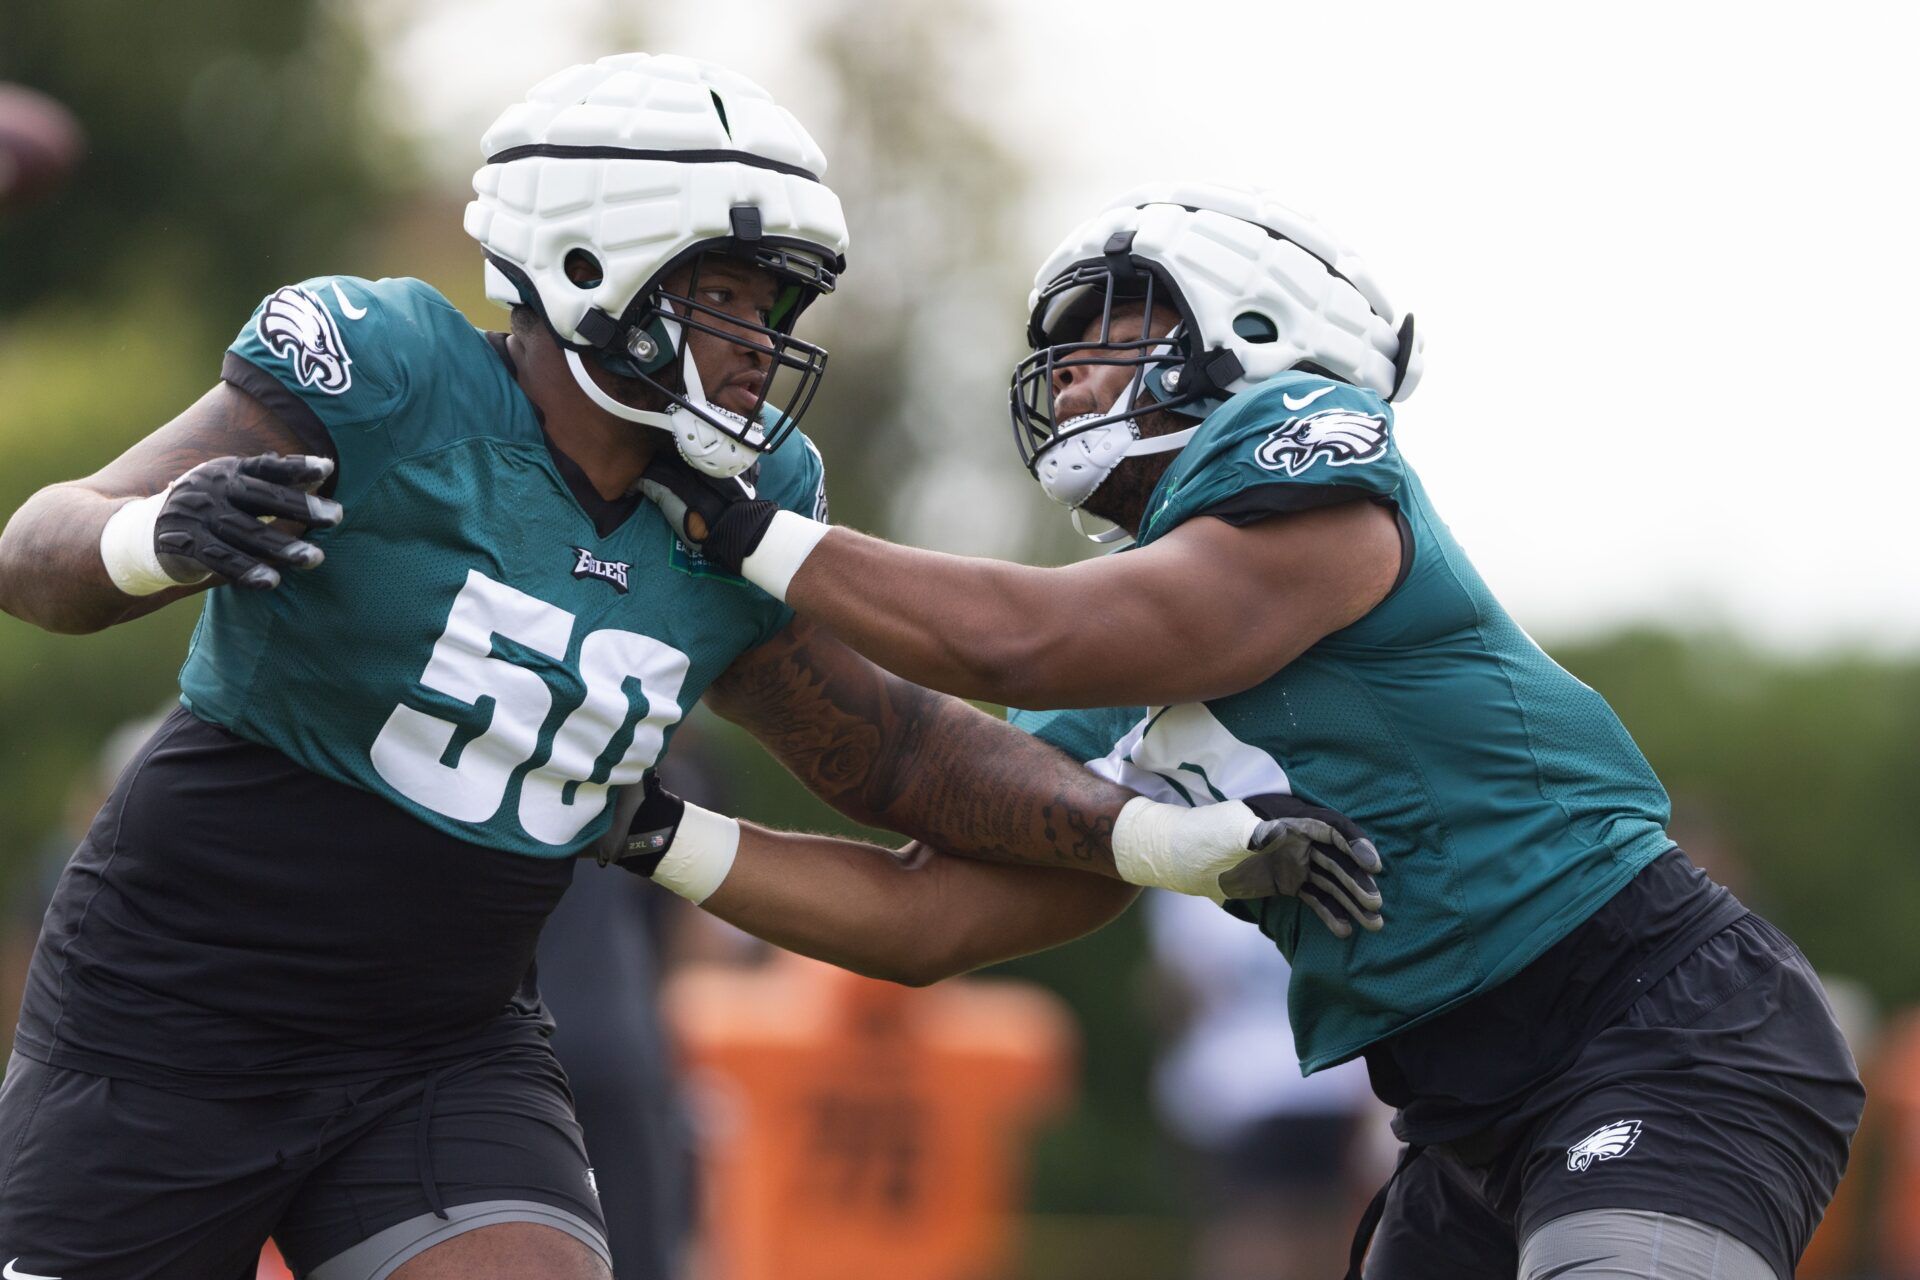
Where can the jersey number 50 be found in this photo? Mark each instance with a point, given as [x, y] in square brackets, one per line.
[557, 799]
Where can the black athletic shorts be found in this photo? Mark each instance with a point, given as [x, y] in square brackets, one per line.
[1724, 1093]
[108, 1179]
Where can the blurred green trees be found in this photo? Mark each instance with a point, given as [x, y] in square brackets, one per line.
[1804, 768]
[231, 150]
[229, 142]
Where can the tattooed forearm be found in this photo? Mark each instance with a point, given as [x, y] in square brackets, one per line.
[891, 754]
[1082, 837]
[50, 570]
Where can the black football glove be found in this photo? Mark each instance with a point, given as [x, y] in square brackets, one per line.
[1317, 855]
[645, 820]
[720, 517]
[211, 520]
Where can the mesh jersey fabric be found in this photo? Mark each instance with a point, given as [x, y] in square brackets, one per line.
[475, 649]
[1506, 797]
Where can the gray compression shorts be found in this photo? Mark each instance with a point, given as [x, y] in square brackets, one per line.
[379, 1256]
[1633, 1244]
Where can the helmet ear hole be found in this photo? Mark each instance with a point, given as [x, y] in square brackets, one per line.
[583, 269]
[1256, 328]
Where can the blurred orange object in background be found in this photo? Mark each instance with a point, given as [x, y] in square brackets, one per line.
[1893, 1109]
[851, 1127]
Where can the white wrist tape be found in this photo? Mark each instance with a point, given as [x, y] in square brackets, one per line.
[789, 540]
[127, 551]
[702, 854]
[1169, 846]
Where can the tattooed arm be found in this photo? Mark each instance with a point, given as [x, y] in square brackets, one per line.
[891, 754]
[50, 568]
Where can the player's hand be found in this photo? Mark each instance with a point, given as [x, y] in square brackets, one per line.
[1314, 854]
[722, 518]
[1264, 847]
[211, 519]
[645, 820]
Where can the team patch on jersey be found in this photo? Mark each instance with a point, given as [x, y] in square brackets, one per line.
[585, 565]
[1605, 1143]
[296, 326]
[1340, 437]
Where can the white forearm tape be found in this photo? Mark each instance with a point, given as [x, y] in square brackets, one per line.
[126, 548]
[1170, 846]
[789, 540]
[703, 850]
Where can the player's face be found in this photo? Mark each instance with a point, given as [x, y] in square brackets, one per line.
[734, 364]
[1081, 386]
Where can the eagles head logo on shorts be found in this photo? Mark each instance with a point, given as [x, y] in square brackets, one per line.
[296, 326]
[1604, 1143]
[1339, 436]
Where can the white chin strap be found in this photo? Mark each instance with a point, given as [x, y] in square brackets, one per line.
[1105, 538]
[706, 447]
[1070, 469]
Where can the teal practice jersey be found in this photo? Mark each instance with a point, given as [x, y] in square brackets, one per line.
[475, 648]
[1508, 802]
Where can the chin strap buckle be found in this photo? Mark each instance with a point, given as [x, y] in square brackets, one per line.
[597, 328]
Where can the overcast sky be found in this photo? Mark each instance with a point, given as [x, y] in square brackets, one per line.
[1665, 255]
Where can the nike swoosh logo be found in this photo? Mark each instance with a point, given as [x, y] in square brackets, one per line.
[352, 312]
[12, 1272]
[1285, 399]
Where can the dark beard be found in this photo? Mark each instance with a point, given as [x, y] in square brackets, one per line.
[1122, 497]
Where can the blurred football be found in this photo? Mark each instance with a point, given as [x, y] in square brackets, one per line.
[40, 146]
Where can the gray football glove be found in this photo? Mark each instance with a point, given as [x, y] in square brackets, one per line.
[1314, 854]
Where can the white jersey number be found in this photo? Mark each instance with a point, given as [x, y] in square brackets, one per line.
[557, 799]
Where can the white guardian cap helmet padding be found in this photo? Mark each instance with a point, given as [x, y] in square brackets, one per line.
[614, 174]
[1258, 289]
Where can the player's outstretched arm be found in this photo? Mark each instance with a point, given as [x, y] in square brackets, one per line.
[888, 753]
[61, 569]
[914, 916]
[1208, 610]
[892, 754]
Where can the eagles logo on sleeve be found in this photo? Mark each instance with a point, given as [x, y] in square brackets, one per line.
[1604, 1143]
[1340, 437]
[296, 326]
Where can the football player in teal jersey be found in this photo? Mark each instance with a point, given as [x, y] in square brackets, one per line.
[1603, 1064]
[285, 983]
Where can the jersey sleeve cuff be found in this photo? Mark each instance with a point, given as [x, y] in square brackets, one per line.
[1250, 506]
[296, 413]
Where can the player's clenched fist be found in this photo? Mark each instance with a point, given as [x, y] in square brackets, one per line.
[214, 519]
